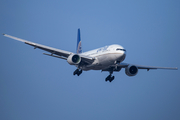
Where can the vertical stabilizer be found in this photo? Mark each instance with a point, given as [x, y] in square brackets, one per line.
[79, 48]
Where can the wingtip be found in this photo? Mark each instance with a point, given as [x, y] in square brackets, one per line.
[3, 34]
[176, 68]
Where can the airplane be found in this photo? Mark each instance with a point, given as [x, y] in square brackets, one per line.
[109, 58]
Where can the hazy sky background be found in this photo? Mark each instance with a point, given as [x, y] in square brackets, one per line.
[38, 87]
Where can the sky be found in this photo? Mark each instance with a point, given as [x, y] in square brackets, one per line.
[34, 86]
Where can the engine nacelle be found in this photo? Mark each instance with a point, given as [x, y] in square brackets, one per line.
[131, 70]
[74, 59]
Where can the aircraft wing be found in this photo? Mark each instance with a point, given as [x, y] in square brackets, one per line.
[123, 65]
[58, 53]
[117, 67]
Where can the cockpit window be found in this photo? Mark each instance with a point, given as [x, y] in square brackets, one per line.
[121, 49]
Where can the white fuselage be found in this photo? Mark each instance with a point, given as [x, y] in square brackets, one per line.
[105, 57]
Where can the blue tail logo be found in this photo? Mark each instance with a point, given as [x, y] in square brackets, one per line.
[79, 48]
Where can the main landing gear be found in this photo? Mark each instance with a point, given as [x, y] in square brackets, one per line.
[77, 72]
[109, 78]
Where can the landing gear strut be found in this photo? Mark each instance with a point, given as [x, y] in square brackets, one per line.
[109, 78]
[77, 72]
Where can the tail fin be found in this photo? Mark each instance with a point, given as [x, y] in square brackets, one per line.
[79, 48]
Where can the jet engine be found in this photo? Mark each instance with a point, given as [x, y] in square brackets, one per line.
[131, 70]
[74, 59]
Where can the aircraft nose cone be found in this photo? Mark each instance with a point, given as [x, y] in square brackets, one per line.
[123, 56]
[124, 53]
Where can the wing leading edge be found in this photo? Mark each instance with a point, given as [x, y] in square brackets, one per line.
[123, 65]
[60, 53]
[117, 67]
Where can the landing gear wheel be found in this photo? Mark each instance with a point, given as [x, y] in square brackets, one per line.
[77, 72]
[109, 78]
[112, 78]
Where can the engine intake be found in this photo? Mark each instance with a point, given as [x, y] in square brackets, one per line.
[131, 70]
[74, 59]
